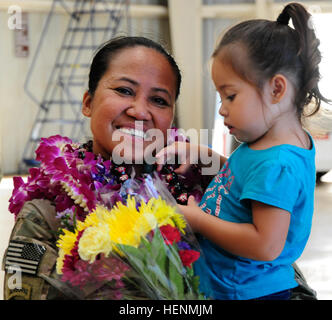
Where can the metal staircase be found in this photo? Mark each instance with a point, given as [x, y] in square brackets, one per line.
[91, 22]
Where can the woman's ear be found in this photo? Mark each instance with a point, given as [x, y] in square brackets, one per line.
[86, 107]
[278, 88]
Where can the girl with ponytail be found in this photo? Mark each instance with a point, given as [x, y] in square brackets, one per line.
[255, 218]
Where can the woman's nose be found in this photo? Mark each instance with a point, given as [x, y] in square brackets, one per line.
[139, 110]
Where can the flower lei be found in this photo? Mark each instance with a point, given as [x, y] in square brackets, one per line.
[75, 180]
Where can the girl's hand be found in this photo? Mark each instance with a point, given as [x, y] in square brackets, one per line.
[187, 155]
[191, 154]
[192, 213]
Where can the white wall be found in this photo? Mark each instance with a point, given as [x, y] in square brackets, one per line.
[18, 111]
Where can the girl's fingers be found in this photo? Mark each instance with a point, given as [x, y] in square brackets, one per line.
[175, 153]
[182, 169]
[166, 155]
[192, 201]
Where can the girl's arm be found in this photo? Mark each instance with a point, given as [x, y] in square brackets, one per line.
[264, 239]
[190, 154]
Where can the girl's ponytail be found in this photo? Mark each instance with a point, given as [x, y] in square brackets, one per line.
[308, 54]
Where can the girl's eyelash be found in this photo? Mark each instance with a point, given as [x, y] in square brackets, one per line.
[230, 98]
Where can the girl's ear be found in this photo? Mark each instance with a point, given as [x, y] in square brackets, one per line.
[278, 88]
[86, 107]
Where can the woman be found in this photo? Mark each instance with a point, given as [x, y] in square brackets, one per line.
[133, 86]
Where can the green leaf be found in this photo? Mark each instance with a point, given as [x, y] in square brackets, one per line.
[75, 219]
[142, 260]
[160, 272]
[159, 249]
[176, 280]
[174, 258]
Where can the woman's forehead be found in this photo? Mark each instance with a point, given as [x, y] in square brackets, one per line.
[142, 64]
[139, 55]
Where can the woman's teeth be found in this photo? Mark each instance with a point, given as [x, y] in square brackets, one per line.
[134, 132]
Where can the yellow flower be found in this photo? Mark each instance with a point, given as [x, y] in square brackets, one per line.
[128, 225]
[91, 219]
[124, 224]
[95, 240]
[164, 213]
[59, 261]
[67, 241]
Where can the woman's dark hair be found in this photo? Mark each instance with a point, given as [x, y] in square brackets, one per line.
[108, 51]
[273, 47]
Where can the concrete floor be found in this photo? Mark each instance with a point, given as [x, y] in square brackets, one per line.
[315, 262]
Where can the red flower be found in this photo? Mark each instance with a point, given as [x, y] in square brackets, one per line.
[170, 234]
[188, 257]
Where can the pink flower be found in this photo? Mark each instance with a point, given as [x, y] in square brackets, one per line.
[19, 196]
[51, 148]
[104, 270]
[37, 187]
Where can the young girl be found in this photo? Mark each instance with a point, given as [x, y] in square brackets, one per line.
[255, 217]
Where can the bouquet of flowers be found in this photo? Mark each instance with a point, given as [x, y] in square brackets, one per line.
[133, 251]
[120, 236]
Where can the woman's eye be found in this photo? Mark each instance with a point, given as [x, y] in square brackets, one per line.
[124, 91]
[160, 101]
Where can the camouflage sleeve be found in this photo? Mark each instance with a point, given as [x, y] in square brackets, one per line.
[31, 254]
[303, 291]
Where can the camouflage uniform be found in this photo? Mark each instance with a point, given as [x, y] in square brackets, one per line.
[36, 224]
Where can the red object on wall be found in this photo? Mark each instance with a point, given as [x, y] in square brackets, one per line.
[22, 38]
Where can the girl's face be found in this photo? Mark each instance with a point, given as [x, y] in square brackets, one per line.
[137, 93]
[242, 105]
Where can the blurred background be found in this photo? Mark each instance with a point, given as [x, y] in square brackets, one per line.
[47, 47]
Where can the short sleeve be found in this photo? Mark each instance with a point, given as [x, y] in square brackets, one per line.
[272, 183]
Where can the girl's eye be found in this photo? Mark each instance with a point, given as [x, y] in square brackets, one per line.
[124, 91]
[231, 97]
[160, 101]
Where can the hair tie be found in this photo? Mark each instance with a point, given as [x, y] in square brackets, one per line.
[283, 18]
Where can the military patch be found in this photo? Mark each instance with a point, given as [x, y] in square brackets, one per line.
[24, 256]
[23, 293]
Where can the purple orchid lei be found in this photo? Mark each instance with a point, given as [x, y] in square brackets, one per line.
[75, 180]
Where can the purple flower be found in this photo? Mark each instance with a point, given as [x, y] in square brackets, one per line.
[183, 245]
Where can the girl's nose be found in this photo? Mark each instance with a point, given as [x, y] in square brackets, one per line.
[139, 110]
[223, 110]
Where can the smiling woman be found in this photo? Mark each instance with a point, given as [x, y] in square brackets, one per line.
[133, 85]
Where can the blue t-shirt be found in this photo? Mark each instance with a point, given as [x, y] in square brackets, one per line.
[282, 176]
